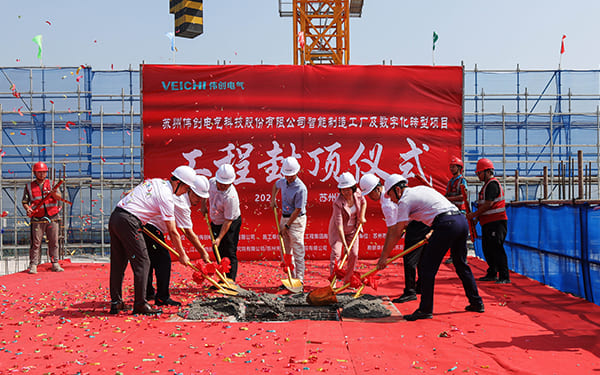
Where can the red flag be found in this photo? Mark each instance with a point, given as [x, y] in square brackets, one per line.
[301, 38]
[562, 45]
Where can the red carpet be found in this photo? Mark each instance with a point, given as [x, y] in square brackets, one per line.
[58, 323]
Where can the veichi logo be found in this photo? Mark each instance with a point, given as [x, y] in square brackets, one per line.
[202, 85]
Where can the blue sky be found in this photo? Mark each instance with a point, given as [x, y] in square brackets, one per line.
[491, 34]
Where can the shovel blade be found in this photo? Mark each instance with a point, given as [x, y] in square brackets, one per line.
[228, 292]
[322, 296]
[293, 285]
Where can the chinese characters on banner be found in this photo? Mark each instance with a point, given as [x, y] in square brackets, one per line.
[333, 119]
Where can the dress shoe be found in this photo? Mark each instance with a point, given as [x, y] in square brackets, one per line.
[115, 307]
[503, 281]
[169, 302]
[418, 315]
[488, 278]
[57, 268]
[475, 308]
[146, 309]
[405, 298]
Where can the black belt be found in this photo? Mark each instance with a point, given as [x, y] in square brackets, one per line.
[447, 213]
[286, 216]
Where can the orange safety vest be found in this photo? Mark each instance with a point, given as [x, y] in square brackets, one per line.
[453, 190]
[497, 211]
[36, 195]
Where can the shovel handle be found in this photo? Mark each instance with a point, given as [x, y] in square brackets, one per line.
[189, 264]
[390, 260]
[212, 238]
[282, 249]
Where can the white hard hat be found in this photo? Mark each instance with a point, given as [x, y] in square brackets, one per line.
[392, 180]
[185, 174]
[368, 183]
[346, 180]
[290, 166]
[226, 174]
[200, 186]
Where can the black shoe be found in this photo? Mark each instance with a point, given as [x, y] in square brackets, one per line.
[146, 309]
[418, 315]
[115, 307]
[475, 308]
[488, 278]
[405, 298]
[169, 302]
[503, 281]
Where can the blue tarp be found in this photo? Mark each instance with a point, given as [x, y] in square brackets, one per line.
[555, 245]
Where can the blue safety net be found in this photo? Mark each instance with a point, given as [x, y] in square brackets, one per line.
[555, 245]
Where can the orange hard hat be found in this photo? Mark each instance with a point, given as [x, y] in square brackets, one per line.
[456, 161]
[484, 164]
[40, 167]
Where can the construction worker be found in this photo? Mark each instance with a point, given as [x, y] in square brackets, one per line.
[292, 225]
[491, 214]
[160, 258]
[349, 210]
[415, 232]
[454, 188]
[448, 228]
[225, 216]
[150, 198]
[40, 201]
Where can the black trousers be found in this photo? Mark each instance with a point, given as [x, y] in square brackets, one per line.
[492, 242]
[127, 246]
[229, 243]
[448, 231]
[415, 232]
[160, 265]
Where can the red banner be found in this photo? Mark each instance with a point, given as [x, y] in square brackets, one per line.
[361, 119]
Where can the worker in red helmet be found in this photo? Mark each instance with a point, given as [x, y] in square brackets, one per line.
[453, 188]
[491, 214]
[40, 201]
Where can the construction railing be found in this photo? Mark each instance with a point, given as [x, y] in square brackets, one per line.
[86, 125]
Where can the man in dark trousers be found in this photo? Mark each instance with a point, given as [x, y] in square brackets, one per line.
[150, 198]
[225, 215]
[415, 232]
[491, 213]
[449, 229]
[160, 258]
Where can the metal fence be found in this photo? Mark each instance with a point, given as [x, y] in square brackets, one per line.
[86, 125]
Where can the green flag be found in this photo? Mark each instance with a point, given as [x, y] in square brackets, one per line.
[435, 39]
[38, 40]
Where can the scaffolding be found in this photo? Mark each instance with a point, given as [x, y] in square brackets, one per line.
[86, 125]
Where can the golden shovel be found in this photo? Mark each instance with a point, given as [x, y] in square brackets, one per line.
[220, 289]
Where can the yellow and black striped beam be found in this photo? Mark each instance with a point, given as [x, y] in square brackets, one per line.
[188, 17]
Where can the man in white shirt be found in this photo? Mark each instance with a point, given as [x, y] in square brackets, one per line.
[160, 258]
[449, 229]
[415, 232]
[150, 198]
[225, 215]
